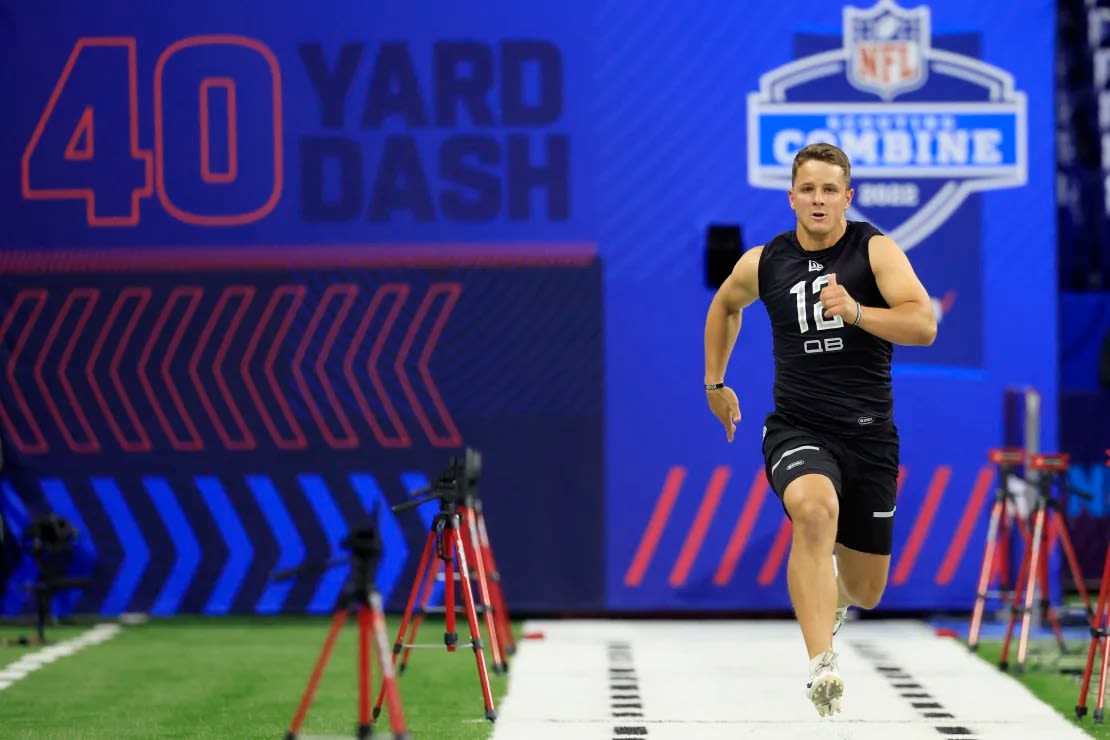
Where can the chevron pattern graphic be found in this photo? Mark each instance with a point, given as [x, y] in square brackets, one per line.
[208, 544]
[200, 367]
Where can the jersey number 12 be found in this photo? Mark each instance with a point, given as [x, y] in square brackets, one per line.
[815, 345]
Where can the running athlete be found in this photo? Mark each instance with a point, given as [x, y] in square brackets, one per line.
[839, 294]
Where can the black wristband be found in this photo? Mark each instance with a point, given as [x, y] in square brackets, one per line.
[714, 386]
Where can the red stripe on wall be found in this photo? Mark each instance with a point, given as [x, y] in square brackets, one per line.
[974, 508]
[777, 555]
[743, 530]
[696, 536]
[294, 256]
[921, 526]
[656, 524]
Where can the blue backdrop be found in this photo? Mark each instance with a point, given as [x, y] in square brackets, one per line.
[263, 275]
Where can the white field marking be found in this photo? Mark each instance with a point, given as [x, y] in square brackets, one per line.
[746, 679]
[31, 662]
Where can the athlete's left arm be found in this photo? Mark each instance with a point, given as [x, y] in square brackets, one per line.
[910, 318]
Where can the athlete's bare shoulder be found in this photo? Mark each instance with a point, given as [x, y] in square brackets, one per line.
[741, 287]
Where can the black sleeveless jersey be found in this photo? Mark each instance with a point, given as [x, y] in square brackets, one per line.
[829, 376]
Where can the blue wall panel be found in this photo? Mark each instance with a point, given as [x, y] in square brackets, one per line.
[314, 247]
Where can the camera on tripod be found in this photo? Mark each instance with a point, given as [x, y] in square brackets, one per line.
[51, 540]
[458, 484]
[51, 533]
[363, 542]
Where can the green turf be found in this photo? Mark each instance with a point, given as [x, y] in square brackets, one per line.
[233, 678]
[1043, 677]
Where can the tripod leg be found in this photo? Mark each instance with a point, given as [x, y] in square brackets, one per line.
[984, 577]
[43, 606]
[1048, 612]
[1015, 609]
[426, 571]
[1036, 551]
[1073, 564]
[504, 625]
[418, 619]
[1102, 678]
[1099, 625]
[365, 674]
[374, 621]
[1002, 567]
[473, 555]
[317, 671]
[400, 642]
[450, 572]
[472, 620]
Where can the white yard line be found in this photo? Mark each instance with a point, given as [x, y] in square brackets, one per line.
[610, 680]
[31, 662]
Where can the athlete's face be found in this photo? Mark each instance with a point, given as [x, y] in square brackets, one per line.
[819, 197]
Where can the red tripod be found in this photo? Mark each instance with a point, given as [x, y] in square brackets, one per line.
[1048, 526]
[452, 553]
[1100, 637]
[359, 595]
[1005, 514]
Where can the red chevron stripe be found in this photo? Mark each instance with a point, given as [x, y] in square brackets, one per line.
[400, 438]
[972, 510]
[349, 439]
[348, 292]
[37, 445]
[245, 294]
[90, 443]
[451, 438]
[659, 518]
[297, 439]
[142, 296]
[192, 294]
[743, 530]
[711, 498]
[921, 526]
[452, 291]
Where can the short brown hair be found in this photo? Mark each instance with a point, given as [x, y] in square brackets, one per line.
[822, 153]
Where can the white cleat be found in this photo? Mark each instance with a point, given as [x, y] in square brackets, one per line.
[825, 685]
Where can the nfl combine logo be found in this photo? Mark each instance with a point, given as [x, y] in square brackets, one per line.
[924, 122]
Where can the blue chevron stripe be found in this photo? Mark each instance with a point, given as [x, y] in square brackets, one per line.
[286, 535]
[16, 520]
[136, 555]
[394, 550]
[323, 504]
[184, 543]
[239, 550]
[415, 481]
[84, 551]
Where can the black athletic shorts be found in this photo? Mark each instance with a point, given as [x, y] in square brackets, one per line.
[863, 470]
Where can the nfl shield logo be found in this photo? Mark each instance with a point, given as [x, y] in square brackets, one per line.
[887, 48]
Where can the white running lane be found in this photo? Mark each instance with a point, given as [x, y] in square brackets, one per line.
[31, 662]
[616, 680]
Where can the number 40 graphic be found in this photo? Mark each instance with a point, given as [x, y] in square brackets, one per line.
[217, 145]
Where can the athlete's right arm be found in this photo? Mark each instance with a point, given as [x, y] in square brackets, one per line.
[722, 321]
[722, 325]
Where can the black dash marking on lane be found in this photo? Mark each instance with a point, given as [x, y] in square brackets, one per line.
[624, 692]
